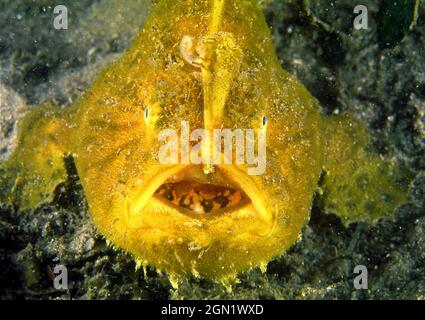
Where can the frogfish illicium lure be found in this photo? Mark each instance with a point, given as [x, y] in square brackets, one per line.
[212, 64]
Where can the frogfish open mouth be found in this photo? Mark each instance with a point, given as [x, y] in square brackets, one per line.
[212, 64]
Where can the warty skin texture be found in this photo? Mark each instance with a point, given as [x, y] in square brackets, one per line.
[112, 131]
[152, 74]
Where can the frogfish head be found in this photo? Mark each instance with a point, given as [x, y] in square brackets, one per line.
[158, 125]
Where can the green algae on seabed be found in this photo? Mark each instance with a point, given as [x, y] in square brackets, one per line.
[396, 19]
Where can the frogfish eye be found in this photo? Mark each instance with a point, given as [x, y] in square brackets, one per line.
[265, 120]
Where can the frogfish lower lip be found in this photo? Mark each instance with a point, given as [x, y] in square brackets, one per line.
[187, 189]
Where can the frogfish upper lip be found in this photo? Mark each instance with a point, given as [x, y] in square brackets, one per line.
[227, 177]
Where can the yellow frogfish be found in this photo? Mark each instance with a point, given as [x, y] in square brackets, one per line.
[208, 64]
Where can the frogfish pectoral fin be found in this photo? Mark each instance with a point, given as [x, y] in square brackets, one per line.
[36, 167]
[359, 185]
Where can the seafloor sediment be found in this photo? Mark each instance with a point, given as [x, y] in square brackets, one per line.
[346, 70]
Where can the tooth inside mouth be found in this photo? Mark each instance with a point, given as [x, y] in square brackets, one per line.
[194, 192]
